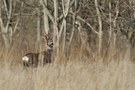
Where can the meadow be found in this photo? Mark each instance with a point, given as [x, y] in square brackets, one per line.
[113, 72]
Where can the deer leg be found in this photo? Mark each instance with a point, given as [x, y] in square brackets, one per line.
[35, 60]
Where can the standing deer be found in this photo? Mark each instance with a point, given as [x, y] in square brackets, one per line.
[32, 59]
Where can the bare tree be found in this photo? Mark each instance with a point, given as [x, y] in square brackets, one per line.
[100, 33]
[46, 22]
[7, 29]
[7, 25]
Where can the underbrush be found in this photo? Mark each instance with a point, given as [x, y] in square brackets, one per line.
[72, 75]
[83, 70]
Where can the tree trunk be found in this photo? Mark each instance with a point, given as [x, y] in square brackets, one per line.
[7, 30]
[100, 29]
[55, 28]
[46, 22]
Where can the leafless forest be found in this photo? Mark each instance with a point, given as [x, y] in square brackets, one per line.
[93, 44]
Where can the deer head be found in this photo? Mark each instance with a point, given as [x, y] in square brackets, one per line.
[49, 40]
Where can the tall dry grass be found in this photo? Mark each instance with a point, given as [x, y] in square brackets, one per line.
[73, 76]
[81, 72]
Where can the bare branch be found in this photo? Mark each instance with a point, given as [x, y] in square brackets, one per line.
[78, 17]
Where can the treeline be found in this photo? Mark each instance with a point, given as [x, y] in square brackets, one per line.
[97, 24]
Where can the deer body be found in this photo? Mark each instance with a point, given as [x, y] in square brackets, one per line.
[30, 59]
[47, 56]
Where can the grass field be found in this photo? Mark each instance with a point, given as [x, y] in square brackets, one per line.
[72, 75]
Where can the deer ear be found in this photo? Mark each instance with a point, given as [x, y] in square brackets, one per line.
[46, 36]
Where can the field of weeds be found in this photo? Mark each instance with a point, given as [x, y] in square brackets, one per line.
[72, 75]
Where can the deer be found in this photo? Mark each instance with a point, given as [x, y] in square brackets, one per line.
[32, 59]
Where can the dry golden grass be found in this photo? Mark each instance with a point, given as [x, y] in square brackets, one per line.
[83, 70]
[74, 75]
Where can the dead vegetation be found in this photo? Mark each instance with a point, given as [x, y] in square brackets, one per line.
[74, 75]
[82, 71]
